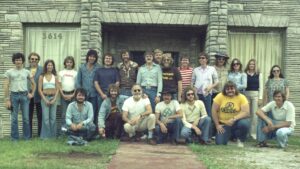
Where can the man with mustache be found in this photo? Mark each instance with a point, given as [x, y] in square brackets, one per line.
[230, 112]
[138, 116]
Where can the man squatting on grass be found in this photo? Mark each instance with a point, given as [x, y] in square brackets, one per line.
[276, 119]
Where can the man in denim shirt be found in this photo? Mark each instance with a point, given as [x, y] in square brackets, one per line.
[110, 121]
[86, 75]
[79, 116]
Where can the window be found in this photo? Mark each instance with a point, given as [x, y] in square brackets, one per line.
[266, 48]
[54, 43]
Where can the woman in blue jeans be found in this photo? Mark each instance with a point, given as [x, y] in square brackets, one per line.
[48, 89]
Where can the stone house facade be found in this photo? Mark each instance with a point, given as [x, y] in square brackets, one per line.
[177, 26]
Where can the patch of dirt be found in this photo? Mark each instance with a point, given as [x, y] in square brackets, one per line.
[272, 158]
[70, 155]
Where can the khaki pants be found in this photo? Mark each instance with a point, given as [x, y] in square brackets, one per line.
[146, 123]
[253, 104]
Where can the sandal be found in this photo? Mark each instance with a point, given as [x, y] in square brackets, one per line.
[262, 144]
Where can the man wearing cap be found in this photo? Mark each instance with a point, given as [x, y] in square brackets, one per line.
[168, 118]
[222, 71]
[138, 116]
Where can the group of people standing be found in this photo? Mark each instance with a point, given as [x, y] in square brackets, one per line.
[169, 103]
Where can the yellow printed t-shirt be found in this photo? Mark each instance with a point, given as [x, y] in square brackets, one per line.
[229, 106]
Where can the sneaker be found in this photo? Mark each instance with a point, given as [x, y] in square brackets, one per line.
[152, 141]
[64, 129]
[240, 144]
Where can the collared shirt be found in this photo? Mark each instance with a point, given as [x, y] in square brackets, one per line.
[151, 77]
[85, 79]
[222, 76]
[105, 109]
[203, 77]
[284, 113]
[127, 74]
[239, 78]
[192, 113]
[74, 115]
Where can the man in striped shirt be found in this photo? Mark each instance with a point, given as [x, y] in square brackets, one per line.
[185, 71]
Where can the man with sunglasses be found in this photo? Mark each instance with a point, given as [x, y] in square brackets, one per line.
[230, 112]
[138, 116]
[35, 71]
[196, 122]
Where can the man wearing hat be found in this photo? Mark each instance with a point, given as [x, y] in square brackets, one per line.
[222, 71]
[168, 118]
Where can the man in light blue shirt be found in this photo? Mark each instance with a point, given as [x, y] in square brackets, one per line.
[150, 78]
[79, 116]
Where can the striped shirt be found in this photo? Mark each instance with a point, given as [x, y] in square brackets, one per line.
[186, 75]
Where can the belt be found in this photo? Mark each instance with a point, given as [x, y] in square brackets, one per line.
[149, 87]
[70, 92]
[23, 92]
[49, 95]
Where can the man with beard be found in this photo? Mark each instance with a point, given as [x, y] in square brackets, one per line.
[110, 118]
[128, 73]
[138, 116]
[168, 118]
[79, 116]
[230, 112]
[279, 123]
[171, 77]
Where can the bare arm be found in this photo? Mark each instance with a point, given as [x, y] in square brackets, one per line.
[33, 87]
[6, 93]
[99, 90]
[244, 113]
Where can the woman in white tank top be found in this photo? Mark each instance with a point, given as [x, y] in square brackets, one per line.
[48, 89]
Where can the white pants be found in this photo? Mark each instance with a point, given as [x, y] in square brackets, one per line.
[146, 123]
[252, 97]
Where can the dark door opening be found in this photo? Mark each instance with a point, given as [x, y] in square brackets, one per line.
[138, 57]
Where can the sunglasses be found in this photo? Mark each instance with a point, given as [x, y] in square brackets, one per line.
[190, 94]
[274, 71]
[34, 59]
[202, 57]
[221, 59]
[235, 64]
[137, 90]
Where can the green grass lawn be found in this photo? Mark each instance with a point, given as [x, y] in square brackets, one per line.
[232, 157]
[43, 154]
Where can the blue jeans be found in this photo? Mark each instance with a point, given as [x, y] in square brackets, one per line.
[20, 99]
[94, 101]
[125, 92]
[204, 125]
[173, 131]
[281, 134]
[207, 103]
[239, 129]
[151, 92]
[48, 119]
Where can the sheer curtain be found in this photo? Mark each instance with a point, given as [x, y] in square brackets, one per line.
[54, 43]
[266, 48]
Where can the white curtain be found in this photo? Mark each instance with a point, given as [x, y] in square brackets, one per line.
[266, 48]
[54, 43]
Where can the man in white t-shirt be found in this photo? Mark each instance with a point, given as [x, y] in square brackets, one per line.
[137, 114]
[168, 118]
[276, 119]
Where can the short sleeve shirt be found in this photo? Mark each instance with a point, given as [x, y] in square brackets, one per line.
[229, 106]
[284, 113]
[135, 108]
[167, 110]
[18, 79]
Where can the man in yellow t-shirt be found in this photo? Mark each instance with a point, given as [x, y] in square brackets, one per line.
[230, 113]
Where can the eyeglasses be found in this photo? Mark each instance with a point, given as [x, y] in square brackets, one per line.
[34, 59]
[230, 88]
[137, 90]
[274, 71]
[190, 94]
[221, 59]
[235, 64]
[202, 57]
